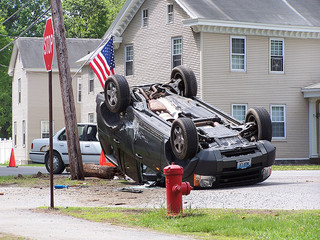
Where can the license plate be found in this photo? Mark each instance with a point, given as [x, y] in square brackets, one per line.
[244, 164]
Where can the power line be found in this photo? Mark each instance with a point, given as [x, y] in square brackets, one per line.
[2, 35]
[9, 4]
[21, 34]
[1, 65]
[15, 13]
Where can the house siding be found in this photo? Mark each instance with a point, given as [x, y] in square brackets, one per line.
[152, 44]
[34, 90]
[152, 50]
[88, 104]
[19, 111]
[258, 87]
[41, 113]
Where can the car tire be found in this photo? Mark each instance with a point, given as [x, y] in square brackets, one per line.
[117, 93]
[261, 118]
[188, 85]
[184, 138]
[58, 165]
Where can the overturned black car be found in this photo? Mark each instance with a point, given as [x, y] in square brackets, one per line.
[142, 129]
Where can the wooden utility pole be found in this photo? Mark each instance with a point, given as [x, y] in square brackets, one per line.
[75, 159]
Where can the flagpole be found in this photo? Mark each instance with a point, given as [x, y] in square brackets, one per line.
[93, 53]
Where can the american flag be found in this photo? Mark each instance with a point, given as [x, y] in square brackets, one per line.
[103, 64]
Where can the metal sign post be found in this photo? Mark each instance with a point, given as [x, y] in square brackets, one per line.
[48, 57]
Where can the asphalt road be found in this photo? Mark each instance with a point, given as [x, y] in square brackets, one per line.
[283, 190]
[24, 170]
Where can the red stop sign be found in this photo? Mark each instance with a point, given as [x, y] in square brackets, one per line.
[48, 44]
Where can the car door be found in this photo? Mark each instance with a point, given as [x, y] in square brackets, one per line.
[148, 142]
[61, 146]
[89, 143]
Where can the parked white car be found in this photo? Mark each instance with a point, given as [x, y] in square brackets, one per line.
[89, 145]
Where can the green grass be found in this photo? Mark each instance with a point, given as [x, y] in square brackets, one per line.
[43, 180]
[295, 167]
[5, 236]
[25, 165]
[213, 223]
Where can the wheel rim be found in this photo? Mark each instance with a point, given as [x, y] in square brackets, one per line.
[112, 94]
[251, 118]
[181, 86]
[55, 163]
[178, 140]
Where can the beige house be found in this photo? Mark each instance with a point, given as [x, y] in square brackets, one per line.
[30, 101]
[244, 53]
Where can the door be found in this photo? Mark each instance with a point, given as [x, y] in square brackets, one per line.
[89, 144]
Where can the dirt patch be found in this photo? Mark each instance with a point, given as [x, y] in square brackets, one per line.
[92, 192]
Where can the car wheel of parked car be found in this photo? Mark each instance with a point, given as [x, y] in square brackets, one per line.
[184, 138]
[261, 118]
[188, 85]
[117, 93]
[58, 165]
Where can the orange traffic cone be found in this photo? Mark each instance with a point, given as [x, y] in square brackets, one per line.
[103, 160]
[12, 162]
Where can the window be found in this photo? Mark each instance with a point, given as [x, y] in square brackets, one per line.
[170, 13]
[238, 54]
[91, 81]
[45, 129]
[19, 90]
[276, 55]
[176, 52]
[278, 120]
[239, 111]
[23, 133]
[129, 60]
[15, 133]
[144, 20]
[92, 133]
[63, 135]
[91, 117]
[79, 90]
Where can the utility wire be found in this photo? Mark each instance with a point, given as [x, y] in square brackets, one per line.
[1, 65]
[100, 45]
[2, 35]
[21, 34]
[15, 13]
[9, 4]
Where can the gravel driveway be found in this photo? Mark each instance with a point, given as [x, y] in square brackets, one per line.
[283, 190]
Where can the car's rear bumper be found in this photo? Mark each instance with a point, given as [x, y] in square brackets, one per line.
[37, 157]
[224, 170]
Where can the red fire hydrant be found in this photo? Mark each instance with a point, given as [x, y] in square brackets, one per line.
[175, 188]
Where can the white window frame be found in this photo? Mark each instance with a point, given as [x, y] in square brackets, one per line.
[128, 60]
[172, 50]
[144, 18]
[170, 16]
[79, 89]
[238, 54]
[15, 133]
[239, 105]
[19, 90]
[42, 127]
[24, 133]
[91, 117]
[284, 121]
[91, 80]
[270, 56]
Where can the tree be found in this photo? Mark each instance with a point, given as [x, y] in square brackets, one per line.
[20, 14]
[89, 18]
[5, 89]
[82, 18]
